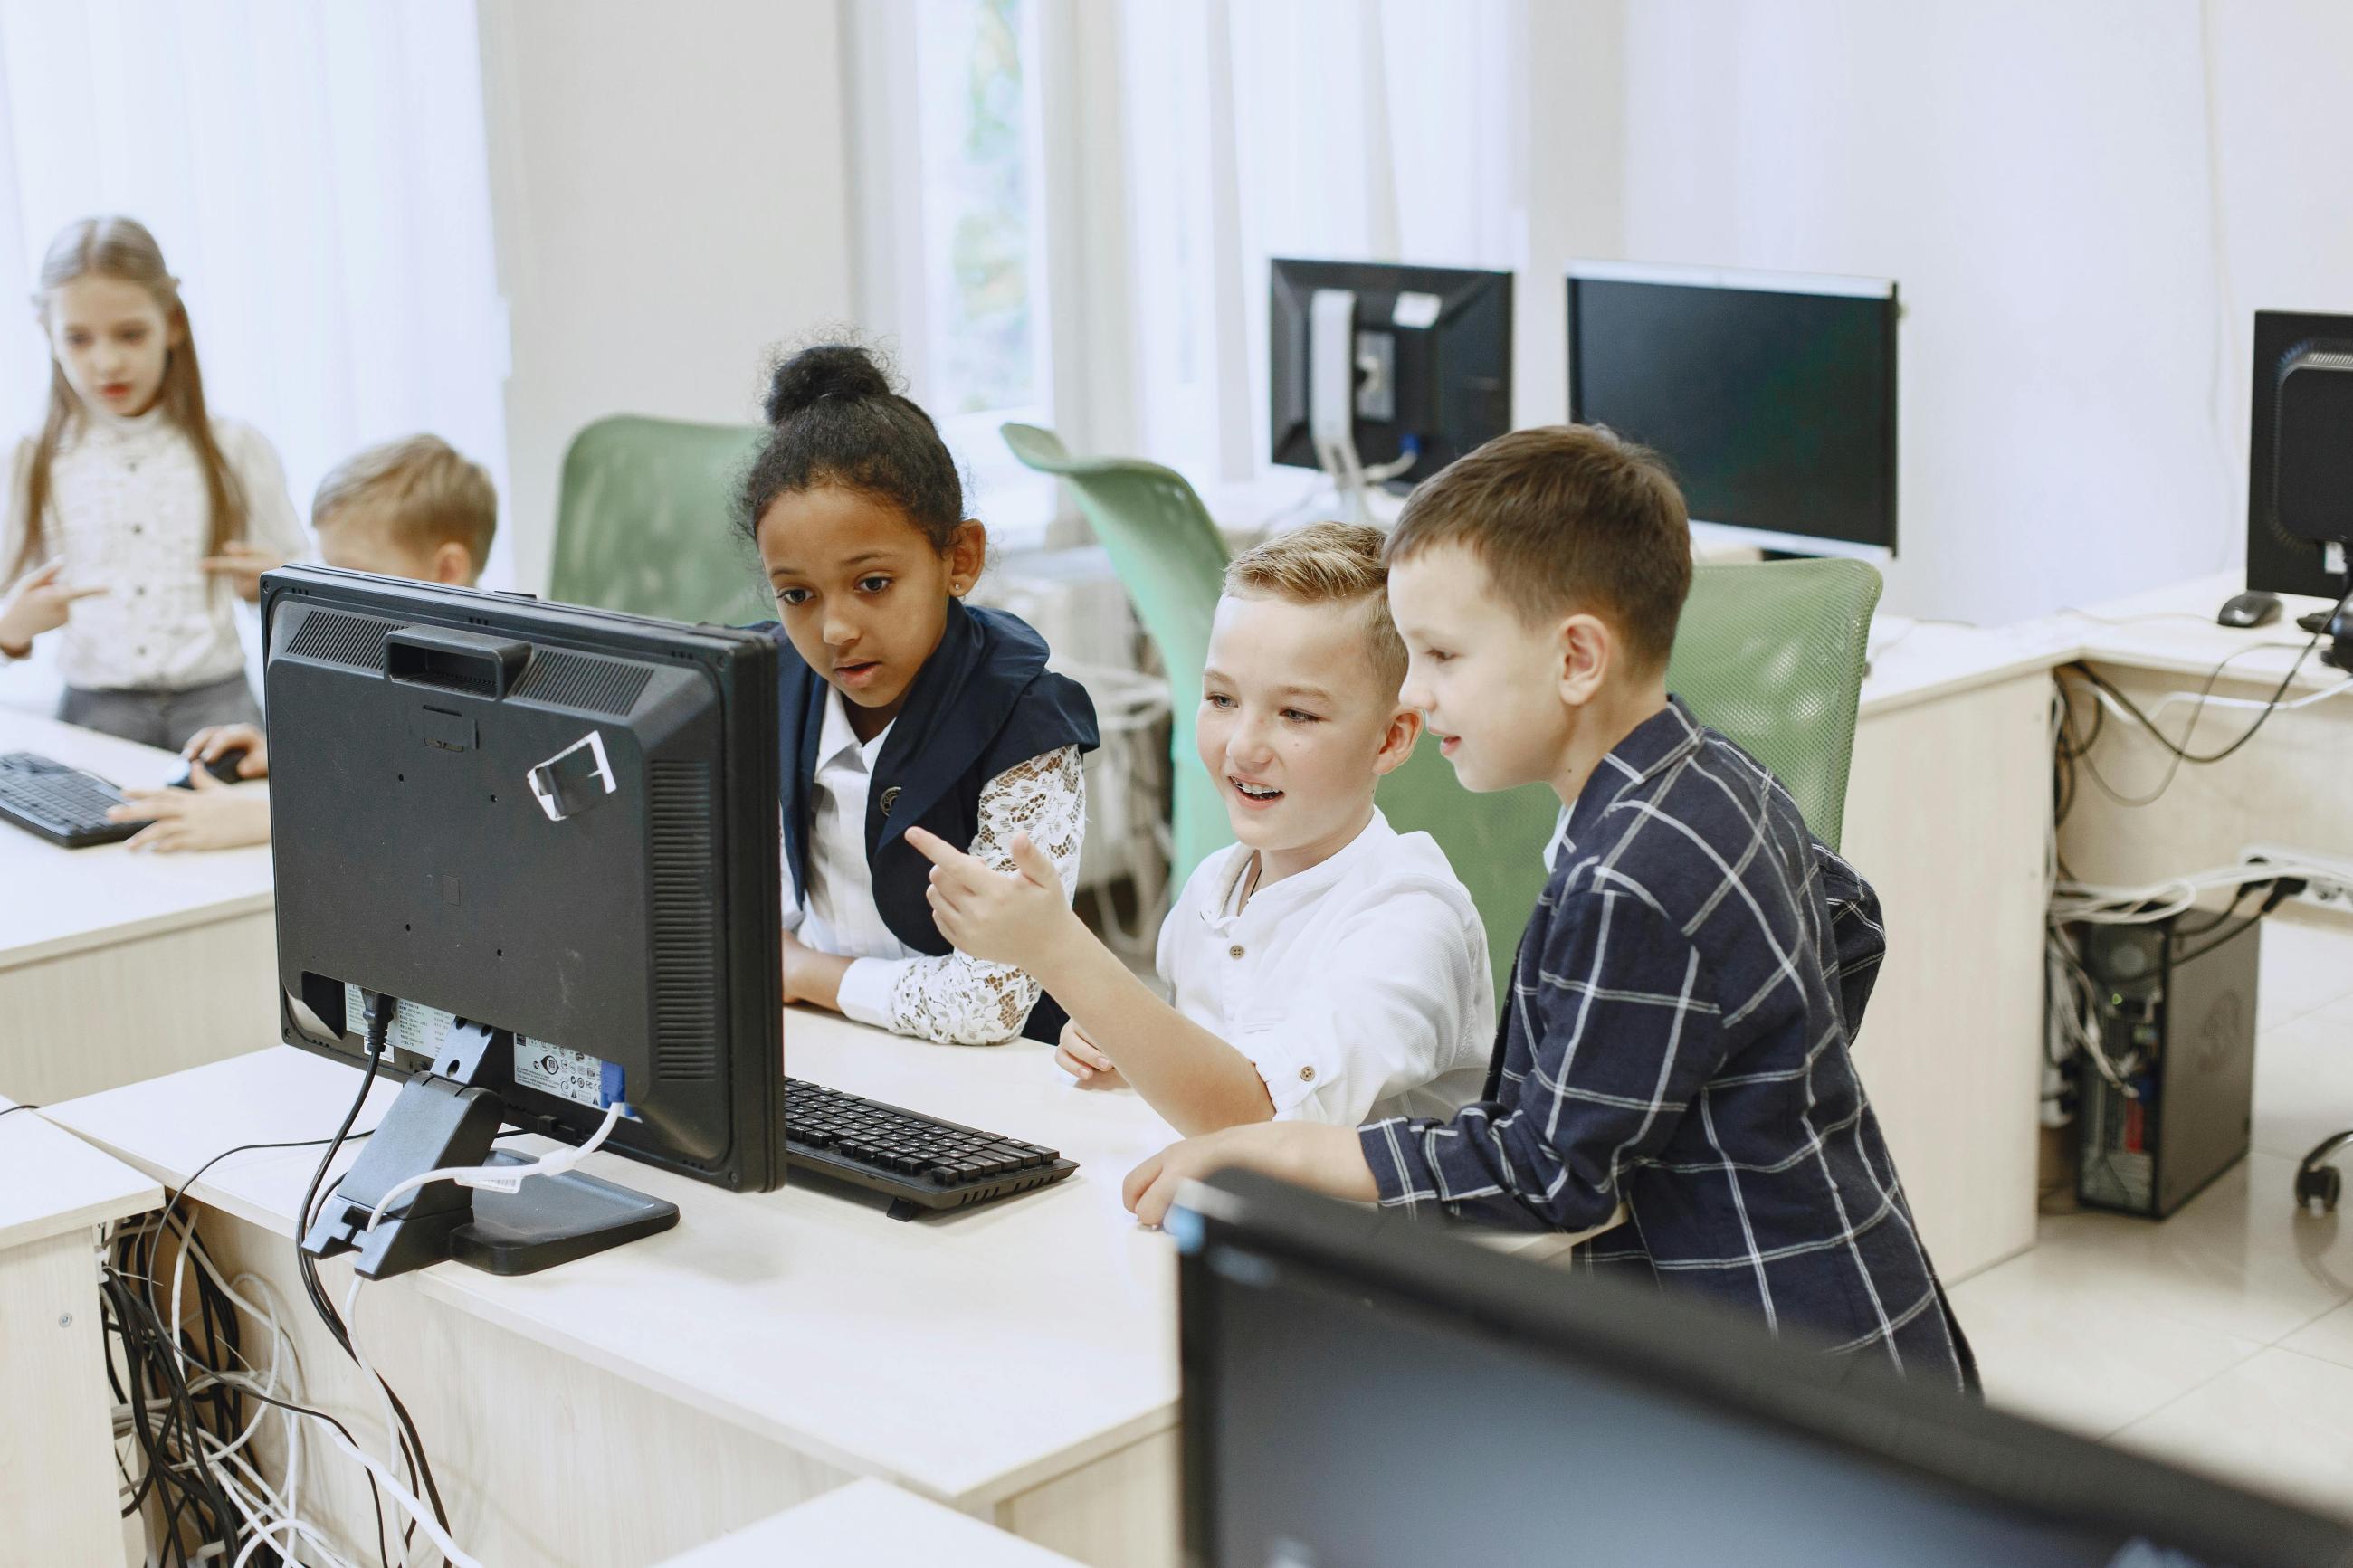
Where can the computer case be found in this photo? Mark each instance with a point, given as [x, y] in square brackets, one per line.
[2177, 1000]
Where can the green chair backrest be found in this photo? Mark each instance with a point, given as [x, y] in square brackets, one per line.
[643, 522]
[1771, 654]
[1172, 561]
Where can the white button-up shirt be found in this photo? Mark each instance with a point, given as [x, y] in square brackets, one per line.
[1358, 987]
[128, 511]
[954, 997]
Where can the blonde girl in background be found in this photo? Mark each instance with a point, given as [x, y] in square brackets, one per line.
[134, 518]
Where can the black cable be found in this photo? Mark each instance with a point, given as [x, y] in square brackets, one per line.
[2180, 753]
[11, 1110]
[133, 1311]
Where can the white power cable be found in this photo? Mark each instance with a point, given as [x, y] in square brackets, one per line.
[506, 1178]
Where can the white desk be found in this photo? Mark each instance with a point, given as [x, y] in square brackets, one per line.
[57, 1446]
[1017, 1362]
[117, 966]
[870, 1521]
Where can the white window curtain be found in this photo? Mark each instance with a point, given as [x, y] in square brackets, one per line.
[1375, 129]
[1181, 145]
[317, 178]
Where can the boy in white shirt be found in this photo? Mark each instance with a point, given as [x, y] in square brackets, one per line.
[1324, 968]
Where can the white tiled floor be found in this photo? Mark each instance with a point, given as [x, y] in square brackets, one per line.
[2223, 1338]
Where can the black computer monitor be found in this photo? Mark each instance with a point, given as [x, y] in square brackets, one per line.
[1770, 395]
[1413, 364]
[2300, 454]
[1363, 1389]
[550, 834]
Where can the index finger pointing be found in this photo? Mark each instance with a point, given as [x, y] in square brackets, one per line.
[936, 849]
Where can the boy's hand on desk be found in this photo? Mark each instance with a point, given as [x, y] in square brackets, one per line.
[209, 814]
[1018, 917]
[206, 746]
[1309, 1153]
[38, 603]
[1084, 1061]
[243, 565]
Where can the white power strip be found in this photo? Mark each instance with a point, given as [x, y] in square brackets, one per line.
[2316, 895]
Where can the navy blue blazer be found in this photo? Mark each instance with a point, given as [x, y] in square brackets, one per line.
[984, 702]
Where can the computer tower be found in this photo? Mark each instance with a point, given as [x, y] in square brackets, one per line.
[2176, 1006]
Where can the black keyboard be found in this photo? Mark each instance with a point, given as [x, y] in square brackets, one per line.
[62, 803]
[916, 1161]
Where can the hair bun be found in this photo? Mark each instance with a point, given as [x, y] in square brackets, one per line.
[828, 370]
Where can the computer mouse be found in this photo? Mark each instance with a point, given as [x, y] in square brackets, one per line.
[223, 767]
[2244, 610]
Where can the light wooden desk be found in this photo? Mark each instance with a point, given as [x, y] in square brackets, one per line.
[1949, 817]
[57, 1488]
[1017, 1362]
[115, 967]
[870, 1521]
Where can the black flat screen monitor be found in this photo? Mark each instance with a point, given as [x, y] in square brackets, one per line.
[1361, 1392]
[1771, 395]
[1433, 361]
[554, 823]
[2300, 454]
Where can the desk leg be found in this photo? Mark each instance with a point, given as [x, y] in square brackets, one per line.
[1117, 1513]
[58, 1485]
[1947, 814]
[545, 1460]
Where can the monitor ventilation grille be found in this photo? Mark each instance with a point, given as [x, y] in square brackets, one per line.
[333, 637]
[686, 966]
[593, 685]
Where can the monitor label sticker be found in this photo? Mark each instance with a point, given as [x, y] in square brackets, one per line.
[418, 1030]
[568, 1075]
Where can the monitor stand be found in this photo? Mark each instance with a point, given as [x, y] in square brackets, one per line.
[445, 1116]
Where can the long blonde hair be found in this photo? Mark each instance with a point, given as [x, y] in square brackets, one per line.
[122, 248]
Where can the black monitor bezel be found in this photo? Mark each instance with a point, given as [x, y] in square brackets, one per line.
[1884, 297]
[1460, 290]
[2277, 561]
[742, 665]
[1689, 1352]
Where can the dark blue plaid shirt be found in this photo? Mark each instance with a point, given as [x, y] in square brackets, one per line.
[1676, 1040]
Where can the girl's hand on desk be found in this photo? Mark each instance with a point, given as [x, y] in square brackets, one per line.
[38, 603]
[1018, 917]
[206, 746]
[209, 814]
[1084, 1061]
[812, 976]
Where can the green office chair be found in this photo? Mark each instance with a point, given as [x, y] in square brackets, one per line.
[1769, 655]
[1168, 554]
[643, 522]
[1772, 655]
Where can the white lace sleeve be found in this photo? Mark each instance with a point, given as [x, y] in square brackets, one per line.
[965, 1001]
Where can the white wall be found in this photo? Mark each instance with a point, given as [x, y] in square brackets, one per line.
[2037, 179]
[668, 188]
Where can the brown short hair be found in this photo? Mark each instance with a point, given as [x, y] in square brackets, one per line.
[1566, 518]
[1328, 563]
[422, 488]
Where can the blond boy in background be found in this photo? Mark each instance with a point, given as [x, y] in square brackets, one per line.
[1325, 967]
[411, 509]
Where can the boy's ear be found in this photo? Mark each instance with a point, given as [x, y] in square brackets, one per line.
[1397, 743]
[1588, 650]
[454, 564]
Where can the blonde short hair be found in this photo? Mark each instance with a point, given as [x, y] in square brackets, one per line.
[421, 489]
[1329, 563]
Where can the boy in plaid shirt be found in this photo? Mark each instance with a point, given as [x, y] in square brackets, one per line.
[1676, 1040]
